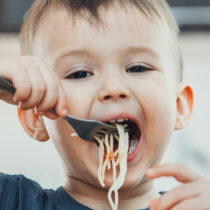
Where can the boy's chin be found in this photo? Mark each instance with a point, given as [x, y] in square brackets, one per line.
[130, 182]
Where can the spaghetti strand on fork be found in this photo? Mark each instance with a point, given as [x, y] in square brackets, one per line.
[112, 160]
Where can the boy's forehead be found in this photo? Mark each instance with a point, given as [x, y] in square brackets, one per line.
[60, 32]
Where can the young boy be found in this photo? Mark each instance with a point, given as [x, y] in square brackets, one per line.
[102, 60]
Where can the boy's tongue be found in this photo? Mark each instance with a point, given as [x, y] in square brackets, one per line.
[132, 145]
[134, 136]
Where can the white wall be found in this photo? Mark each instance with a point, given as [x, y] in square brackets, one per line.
[39, 161]
[191, 146]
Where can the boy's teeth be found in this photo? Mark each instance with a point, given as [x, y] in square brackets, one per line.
[118, 120]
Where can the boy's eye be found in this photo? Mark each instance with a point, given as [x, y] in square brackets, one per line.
[138, 69]
[79, 75]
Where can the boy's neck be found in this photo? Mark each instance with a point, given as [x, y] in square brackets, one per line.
[96, 198]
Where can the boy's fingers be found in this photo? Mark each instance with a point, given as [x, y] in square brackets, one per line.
[177, 195]
[36, 85]
[180, 172]
[22, 84]
[38, 89]
[51, 91]
[49, 99]
[61, 106]
[191, 204]
[51, 116]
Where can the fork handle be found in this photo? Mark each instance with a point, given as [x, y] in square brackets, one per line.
[7, 86]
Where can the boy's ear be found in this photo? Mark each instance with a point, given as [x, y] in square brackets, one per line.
[185, 103]
[33, 124]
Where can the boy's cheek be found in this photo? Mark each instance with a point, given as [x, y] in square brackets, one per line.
[72, 149]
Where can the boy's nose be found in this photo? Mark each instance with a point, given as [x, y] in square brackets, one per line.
[114, 92]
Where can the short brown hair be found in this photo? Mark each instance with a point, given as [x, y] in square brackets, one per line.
[150, 8]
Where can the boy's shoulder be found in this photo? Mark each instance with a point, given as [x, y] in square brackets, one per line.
[19, 192]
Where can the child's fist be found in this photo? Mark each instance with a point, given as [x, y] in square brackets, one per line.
[36, 85]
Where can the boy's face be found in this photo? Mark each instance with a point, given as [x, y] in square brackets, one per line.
[122, 69]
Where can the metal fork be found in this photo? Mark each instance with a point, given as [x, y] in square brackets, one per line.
[86, 129]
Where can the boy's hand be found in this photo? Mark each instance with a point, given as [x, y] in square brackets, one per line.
[36, 85]
[193, 194]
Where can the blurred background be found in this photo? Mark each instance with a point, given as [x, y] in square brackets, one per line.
[191, 146]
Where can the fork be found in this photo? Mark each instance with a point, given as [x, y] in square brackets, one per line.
[86, 129]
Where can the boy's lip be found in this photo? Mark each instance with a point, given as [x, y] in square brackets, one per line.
[124, 115]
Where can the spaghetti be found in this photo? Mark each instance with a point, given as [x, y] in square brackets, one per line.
[113, 159]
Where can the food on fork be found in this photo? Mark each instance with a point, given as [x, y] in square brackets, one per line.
[113, 153]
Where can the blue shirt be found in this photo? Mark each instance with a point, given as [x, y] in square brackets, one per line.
[19, 193]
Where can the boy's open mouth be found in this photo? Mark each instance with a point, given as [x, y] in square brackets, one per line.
[133, 131]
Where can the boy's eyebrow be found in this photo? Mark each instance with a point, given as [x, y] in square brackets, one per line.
[138, 50]
[79, 52]
[126, 51]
